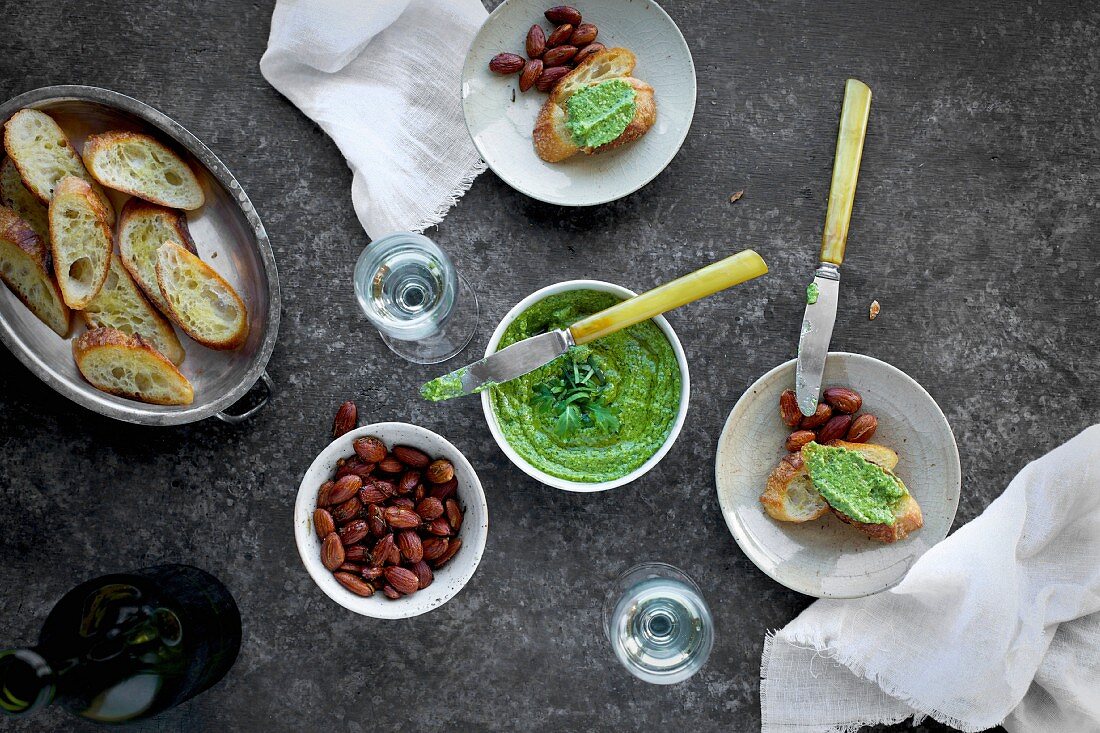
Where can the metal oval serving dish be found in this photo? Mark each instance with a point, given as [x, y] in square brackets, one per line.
[229, 237]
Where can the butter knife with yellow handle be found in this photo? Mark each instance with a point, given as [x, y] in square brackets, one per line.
[529, 354]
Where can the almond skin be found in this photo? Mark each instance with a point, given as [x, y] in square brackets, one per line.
[434, 547]
[324, 494]
[440, 472]
[563, 14]
[411, 457]
[551, 77]
[354, 583]
[799, 438]
[835, 429]
[532, 70]
[409, 544]
[381, 552]
[353, 532]
[445, 491]
[583, 34]
[356, 553]
[349, 510]
[843, 399]
[559, 56]
[587, 51]
[819, 418]
[454, 514]
[391, 592]
[505, 63]
[558, 36]
[369, 448]
[323, 523]
[423, 573]
[390, 464]
[332, 552]
[346, 418]
[429, 508]
[439, 527]
[863, 428]
[402, 579]
[788, 409]
[401, 518]
[452, 547]
[536, 41]
[344, 489]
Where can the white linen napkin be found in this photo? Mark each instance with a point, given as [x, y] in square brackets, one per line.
[998, 623]
[382, 78]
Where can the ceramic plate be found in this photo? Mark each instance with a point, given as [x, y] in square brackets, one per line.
[825, 557]
[500, 118]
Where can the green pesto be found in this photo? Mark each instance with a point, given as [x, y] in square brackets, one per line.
[442, 388]
[811, 293]
[598, 114]
[853, 485]
[641, 379]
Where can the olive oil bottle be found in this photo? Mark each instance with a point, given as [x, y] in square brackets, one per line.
[126, 646]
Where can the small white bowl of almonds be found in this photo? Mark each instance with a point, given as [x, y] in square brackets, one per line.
[390, 519]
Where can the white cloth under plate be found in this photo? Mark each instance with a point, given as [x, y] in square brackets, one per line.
[382, 78]
[999, 623]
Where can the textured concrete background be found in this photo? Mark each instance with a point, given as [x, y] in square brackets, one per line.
[976, 227]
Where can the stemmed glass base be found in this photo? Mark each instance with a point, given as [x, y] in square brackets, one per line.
[453, 336]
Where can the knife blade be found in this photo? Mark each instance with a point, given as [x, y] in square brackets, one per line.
[822, 293]
[531, 353]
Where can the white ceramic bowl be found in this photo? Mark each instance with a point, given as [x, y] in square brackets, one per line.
[825, 557]
[579, 486]
[501, 119]
[449, 579]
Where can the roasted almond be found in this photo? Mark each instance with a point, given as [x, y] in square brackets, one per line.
[444, 491]
[587, 51]
[355, 584]
[563, 14]
[345, 488]
[843, 399]
[536, 41]
[391, 592]
[863, 428]
[799, 438]
[423, 573]
[411, 547]
[505, 63]
[434, 547]
[323, 523]
[583, 34]
[819, 418]
[349, 510]
[381, 552]
[377, 521]
[558, 36]
[369, 448]
[402, 579]
[430, 508]
[835, 429]
[351, 567]
[532, 70]
[558, 57]
[440, 471]
[454, 514]
[371, 494]
[408, 481]
[346, 418]
[353, 531]
[439, 527]
[551, 77]
[411, 457]
[371, 572]
[452, 547]
[357, 553]
[332, 552]
[390, 464]
[788, 409]
[404, 502]
[324, 494]
[401, 518]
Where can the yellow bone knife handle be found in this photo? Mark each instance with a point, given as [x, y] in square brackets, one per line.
[849, 152]
[699, 284]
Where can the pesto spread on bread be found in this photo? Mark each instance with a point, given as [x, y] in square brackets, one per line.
[599, 113]
[853, 485]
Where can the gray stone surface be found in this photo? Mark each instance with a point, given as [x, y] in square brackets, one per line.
[976, 227]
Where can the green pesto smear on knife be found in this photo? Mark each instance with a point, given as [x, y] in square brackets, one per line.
[597, 412]
[812, 292]
[853, 485]
[598, 114]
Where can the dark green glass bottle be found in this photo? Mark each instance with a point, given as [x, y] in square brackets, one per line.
[126, 646]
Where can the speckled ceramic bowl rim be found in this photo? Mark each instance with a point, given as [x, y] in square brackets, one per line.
[729, 511]
[566, 484]
[473, 534]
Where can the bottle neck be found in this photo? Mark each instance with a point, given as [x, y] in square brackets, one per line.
[26, 681]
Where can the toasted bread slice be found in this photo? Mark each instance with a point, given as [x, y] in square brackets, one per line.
[199, 300]
[554, 141]
[140, 165]
[43, 155]
[80, 241]
[142, 228]
[907, 519]
[790, 495]
[127, 366]
[121, 306]
[19, 199]
[25, 268]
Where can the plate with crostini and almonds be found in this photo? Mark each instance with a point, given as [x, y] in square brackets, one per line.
[578, 104]
[138, 280]
[839, 504]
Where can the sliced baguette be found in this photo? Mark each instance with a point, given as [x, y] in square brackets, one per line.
[127, 366]
[907, 519]
[790, 495]
[19, 199]
[554, 140]
[25, 268]
[80, 241]
[142, 228]
[141, 166]
[121, 306]
[199, 300]
[43, 155]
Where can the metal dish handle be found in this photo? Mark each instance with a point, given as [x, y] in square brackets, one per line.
[269, 389]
